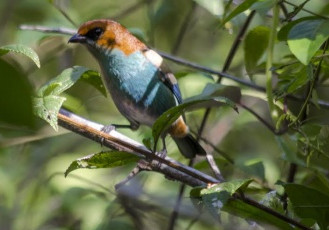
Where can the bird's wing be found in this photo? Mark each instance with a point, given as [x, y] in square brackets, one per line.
[164, 73]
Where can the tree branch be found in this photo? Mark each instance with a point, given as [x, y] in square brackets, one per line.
[168, 167]
[115, 140]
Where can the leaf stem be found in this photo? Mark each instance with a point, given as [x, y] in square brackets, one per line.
[269, 61]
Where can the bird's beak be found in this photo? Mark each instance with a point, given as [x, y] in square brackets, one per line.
[77, 38]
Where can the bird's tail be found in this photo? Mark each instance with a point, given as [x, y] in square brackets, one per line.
[189, 146]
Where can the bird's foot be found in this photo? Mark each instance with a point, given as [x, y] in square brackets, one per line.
[106, 129]
[162, 154]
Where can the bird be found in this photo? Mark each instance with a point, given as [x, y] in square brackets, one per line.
[135, 76]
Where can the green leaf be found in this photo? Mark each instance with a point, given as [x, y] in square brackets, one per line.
[15, 97]
[273, 201]
[226, 188]
[48, 102]
[108, 159]
[167, 118]
[263, 6]
[94, 78]
[309, 203]
[220, 197]
[21, 49]
[215, 90]
[47, 108]
[249, 212]
[215, 197]
[255, 45]
[289, 149]
[253, 167]
[284, 31]
[293, 78]
[239, 9]
[306, 37]
[62, 82]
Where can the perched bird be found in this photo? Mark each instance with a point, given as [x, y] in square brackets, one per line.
[135, 77]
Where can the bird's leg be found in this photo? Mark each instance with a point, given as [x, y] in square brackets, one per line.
[111, 127]
[163, 152]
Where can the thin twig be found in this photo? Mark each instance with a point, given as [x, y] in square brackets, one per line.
[290, 179]
[131, 175]
[272, 212]
[220, 152]
[301, 114]
[263, 121]
[269, 62]
[306, 10]
[47, 29]
[130, 9]
[211, 71]
[183, 29]
[64, 14]
[174, 214]
[227, 64]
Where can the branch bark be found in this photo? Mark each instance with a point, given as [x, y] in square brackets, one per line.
[168, 167]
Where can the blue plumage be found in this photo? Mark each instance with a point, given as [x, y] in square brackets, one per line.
[135, 77]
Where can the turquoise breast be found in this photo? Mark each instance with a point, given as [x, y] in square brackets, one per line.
[135, 87]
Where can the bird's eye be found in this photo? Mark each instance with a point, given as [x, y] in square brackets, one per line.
[95, 33]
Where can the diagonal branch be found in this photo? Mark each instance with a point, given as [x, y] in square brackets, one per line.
[168, 167]
[115, 140]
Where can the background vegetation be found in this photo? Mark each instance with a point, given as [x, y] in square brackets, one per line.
[279, 138]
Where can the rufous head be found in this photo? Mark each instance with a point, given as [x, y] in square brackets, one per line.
[107, 34]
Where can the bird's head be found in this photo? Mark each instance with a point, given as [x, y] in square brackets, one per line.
[106, 34]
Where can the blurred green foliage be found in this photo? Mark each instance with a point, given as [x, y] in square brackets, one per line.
[33, 157]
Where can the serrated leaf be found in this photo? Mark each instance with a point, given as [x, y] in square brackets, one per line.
[273, 201]
[21, 49]
[167, 118]
[62, 82]
[306, 37]
[227, 187]
[216, 197]
[108, 159]
[47, 102]
[239, 9]
[255, 45]
[68, 78]
[47, 108]
[309, 203]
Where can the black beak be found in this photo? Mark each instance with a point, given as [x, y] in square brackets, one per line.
[77, 38]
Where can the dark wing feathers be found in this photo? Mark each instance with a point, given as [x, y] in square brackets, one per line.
[170, 81]
[165, 75]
